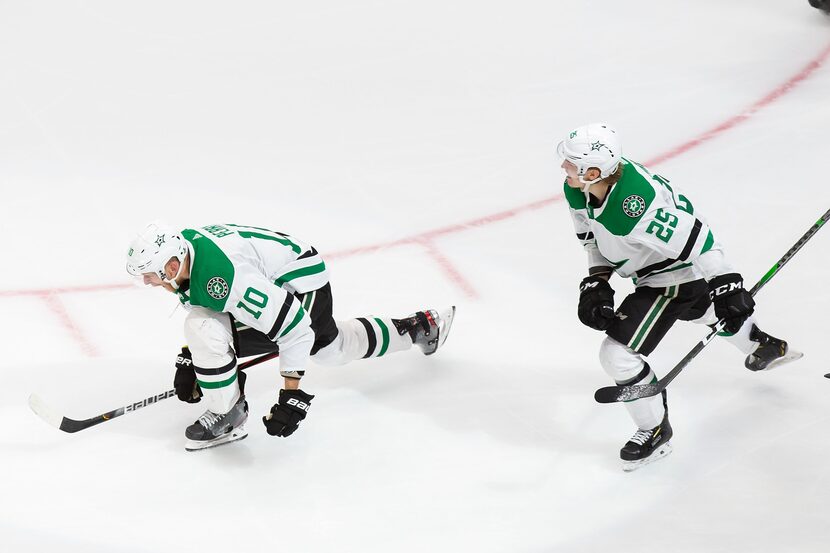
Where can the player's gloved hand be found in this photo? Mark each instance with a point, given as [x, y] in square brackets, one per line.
[286, 415]
[185, 380]
[733, 302]
[596, 303]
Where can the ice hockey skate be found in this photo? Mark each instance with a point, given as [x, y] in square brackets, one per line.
[647, 446]
[428, 329]
[771, 352]
[212, 429]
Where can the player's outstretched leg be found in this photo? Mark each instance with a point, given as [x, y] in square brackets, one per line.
[428, 329]
[213, 429]
[647, 446]
[367, 337]
[770, 353]
[763, 351]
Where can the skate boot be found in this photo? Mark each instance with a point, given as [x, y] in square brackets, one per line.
[771, 352]
[428, 329]
[647, 446]
[213, 429]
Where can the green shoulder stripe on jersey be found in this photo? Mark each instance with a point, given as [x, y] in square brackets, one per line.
[297, 273]
[211, 272]
[628, 201]
[283, 241]
[575, 197]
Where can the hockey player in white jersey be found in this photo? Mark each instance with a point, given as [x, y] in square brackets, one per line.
[635, 223]
[252, 291]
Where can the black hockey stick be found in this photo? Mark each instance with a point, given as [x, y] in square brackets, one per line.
[612, 394]
[71, 425]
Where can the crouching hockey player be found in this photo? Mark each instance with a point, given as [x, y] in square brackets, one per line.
[636, 224]
[252, 291]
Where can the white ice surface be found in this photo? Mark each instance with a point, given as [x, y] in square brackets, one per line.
[364, 122]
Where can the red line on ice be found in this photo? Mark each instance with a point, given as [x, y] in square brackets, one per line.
[799, 77]
[427, 238]
[450, 270]
[59, 309]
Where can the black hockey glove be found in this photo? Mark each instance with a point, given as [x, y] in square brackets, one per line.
[286, 415]
[733, 302]
[596, 303]
[185, 380]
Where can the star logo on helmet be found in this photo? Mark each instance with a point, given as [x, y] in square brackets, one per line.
[596, 146]
[159, 240]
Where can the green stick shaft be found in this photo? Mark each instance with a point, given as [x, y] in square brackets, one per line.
[787, 256]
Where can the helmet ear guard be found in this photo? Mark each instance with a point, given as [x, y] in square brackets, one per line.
[595, 145]
[152, 248]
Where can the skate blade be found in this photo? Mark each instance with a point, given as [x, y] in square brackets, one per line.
[233, 436]
[788, 357]
[658, 454]
[447, 317]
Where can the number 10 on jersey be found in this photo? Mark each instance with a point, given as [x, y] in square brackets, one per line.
[255, 298]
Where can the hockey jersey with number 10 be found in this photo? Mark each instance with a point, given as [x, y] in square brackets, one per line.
[646, 230]
[253, 273]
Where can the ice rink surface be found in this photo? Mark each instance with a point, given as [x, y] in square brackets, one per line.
[413, 144]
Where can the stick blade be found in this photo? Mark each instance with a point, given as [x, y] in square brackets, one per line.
[614, 394]
[44, 411]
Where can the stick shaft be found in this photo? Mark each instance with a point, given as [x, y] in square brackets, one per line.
[71, 425]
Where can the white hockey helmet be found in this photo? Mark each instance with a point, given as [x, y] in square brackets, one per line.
[154, 246]
[595, 145]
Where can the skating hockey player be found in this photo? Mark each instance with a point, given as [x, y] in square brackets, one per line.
[250, 291]
[635, 223]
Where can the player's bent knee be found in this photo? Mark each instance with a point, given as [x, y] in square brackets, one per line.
[209, 338]
[619, 361]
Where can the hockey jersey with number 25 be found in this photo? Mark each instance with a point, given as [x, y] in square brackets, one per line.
[646, 230]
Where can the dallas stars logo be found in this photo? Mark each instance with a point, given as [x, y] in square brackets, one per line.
[217, 288]
[597, 146]
[634, 205]
[159, 240]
